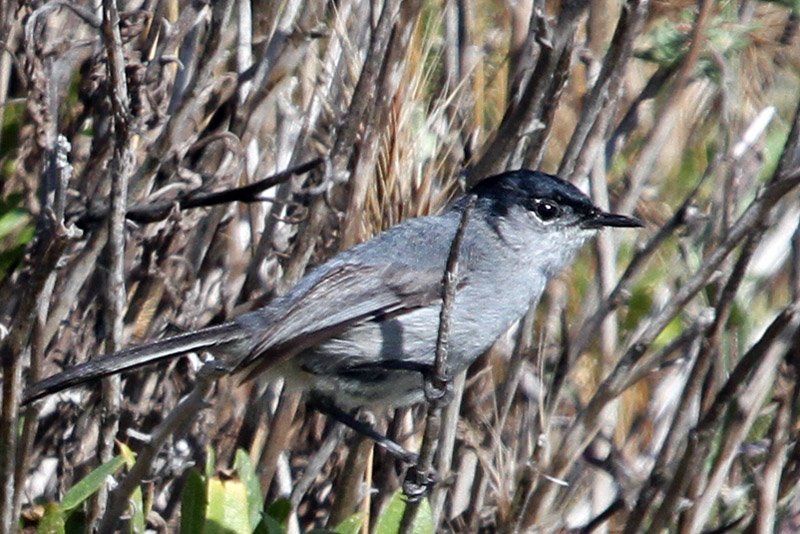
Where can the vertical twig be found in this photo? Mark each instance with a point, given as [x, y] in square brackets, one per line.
[345, 143]
[769, 481]
[39, 338]
[50, 243]
[349, 490]
[48, 251]
[441, 379]
[8, 34]
[614, 68]
[444, 456]
[390, 86]
[527, 116]
[332, 66]
[244, 47]
[120, 167]
[278, 438]
[643, 166]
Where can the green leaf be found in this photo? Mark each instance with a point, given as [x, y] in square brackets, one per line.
[351, 525]
[262, 528]
[389, 520]
[211, 462]
[16, 230]
[193, 504]
[13, 220]
[247, 474]
[227, 511]
[89, 484]
[52, 521]
[77, 522]
[11, 201]
[127, 454]
[268, 525]
[137, 523]
[280, 511]
[10, 258]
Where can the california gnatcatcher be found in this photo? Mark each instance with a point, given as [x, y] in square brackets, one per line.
[361, 329]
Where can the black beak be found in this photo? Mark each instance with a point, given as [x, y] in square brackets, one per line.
[599, 219]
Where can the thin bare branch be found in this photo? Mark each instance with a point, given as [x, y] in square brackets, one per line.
[440, 379]
[176, 423]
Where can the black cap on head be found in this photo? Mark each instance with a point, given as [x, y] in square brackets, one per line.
[531, 188]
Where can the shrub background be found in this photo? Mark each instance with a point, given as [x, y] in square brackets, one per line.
[657, 388]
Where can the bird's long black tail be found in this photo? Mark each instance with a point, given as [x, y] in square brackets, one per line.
[132, 358]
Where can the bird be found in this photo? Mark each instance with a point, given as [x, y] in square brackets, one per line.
[360, 330]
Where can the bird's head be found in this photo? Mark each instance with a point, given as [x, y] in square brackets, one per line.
[539, 211]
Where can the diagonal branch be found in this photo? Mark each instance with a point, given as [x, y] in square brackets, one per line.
[159, 211]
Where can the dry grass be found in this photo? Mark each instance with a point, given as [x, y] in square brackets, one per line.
[658, 387]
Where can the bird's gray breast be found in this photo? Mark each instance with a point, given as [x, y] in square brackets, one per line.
[380, 361]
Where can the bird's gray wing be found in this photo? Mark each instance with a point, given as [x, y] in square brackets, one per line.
[344, 295]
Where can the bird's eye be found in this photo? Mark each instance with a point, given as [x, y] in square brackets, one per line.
[546, 210]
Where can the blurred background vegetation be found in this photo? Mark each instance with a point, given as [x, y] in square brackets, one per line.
[655, 388]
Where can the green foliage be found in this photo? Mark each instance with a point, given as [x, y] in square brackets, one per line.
[193, 504]
[668, 45]
[670, 40]
[12, 217]
[90, 484]
[639, 305]
[351, 525]
[76, 522]
[67, 517]
[213, 504]
[244, 467]
[269, 525]
[13, 120]
[227, 507]
[137, 522]
[775, 141]
[280, 511]
[211, 462]
[794, 5]
[673, 330]
[389, 521]
[52, 521]
[16, 230]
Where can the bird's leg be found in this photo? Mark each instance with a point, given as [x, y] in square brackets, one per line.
[438, 391]
[417, 481]
[326, 407]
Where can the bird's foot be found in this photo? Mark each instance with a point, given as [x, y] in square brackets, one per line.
[438, 389]
[419, 482]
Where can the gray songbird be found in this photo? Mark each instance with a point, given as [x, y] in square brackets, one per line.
[361, 329]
